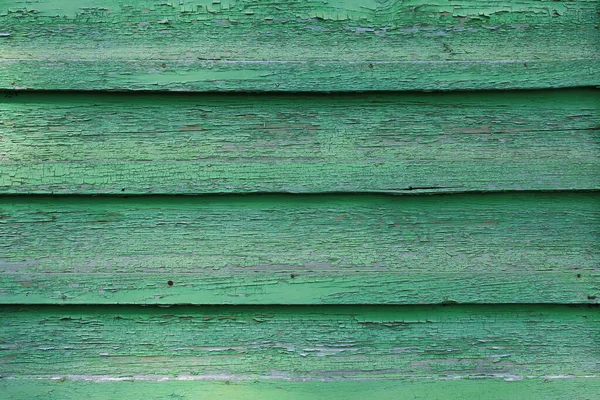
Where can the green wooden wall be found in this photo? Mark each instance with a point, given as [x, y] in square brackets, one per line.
[241, 199]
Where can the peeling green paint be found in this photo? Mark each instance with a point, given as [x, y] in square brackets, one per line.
[315, 295]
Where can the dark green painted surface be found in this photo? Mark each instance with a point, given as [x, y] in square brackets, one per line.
[398, 143]
[306, 45]
[312, 249]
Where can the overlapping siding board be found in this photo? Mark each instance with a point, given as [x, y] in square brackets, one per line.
[245, 199]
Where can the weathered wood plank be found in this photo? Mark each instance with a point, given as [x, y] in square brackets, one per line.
[301, 249]
[108, 143]
[306, 45]
[557, 388]
[300, 343]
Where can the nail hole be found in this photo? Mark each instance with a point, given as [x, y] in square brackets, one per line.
[292, 276]
[170, 283]
[579, 275]
[122, 190]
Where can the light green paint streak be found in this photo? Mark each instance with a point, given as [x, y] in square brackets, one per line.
[182, 143]
[285, 249]
[481, 389]
[335, 287]
[388, 343]
[306, 45]
[249, 10]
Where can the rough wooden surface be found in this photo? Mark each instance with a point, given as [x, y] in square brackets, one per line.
[310, 249]
[402, 142]
[556, 388]
[300, 343]
[305, 45]
[317, 295]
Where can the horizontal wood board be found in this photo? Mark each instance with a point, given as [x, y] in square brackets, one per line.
[301, 249]
[301, 45]
[394, 142]
[294, 343]
[62, 388]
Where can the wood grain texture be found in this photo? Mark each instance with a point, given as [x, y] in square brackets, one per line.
[301, 249]
[556, 388]
[305, 45]
[293, 343]
[166, 144]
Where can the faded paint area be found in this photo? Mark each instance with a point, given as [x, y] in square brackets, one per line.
[64, 143]
[307, 45]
